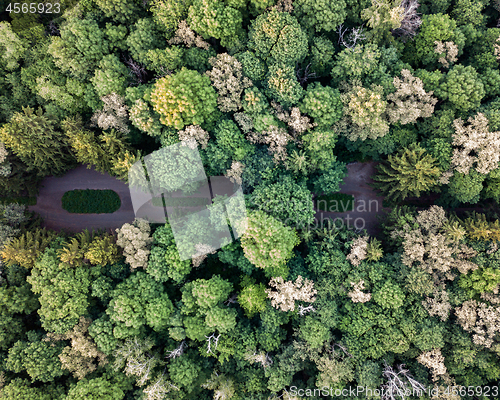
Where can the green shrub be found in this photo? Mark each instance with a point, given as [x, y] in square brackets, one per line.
[29, 201]
[91, 201]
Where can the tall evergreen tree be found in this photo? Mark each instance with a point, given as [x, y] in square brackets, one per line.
[33, 137]
[408, 173]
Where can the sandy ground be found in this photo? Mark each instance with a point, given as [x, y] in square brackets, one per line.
[49, 204]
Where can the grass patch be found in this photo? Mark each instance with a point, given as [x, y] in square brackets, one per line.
[91, 201]
[29, 201]
[334, 202]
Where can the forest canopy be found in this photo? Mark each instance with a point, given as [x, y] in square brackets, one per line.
[282, 97]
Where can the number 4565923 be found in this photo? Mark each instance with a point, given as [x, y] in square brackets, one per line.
[32, 8]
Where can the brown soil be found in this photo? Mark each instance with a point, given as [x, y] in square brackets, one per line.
[367, 202]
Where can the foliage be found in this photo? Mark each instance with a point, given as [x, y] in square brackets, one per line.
[135, 240]
[276, 95]
[436, 27]
[185, 98]
[226, 76]
[138, 301]
[268, 244]
[410, 101]
[286, 201]
[322, 104]
[320, 15]
[216, 19]
[277, 38]
[365, 112]
[80, 47]
[26, 249]
[33, 137]
[462, 88]
[91, 201]
[282, 85]
[408, 173]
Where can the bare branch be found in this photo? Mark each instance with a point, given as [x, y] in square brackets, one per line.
[352, 38]
[179, 351]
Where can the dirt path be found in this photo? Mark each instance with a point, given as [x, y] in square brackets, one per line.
[367, 203]
[49, 204]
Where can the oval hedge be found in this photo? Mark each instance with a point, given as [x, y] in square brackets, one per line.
[91, 201]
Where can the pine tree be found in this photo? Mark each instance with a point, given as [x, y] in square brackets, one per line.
[408, 173]
[33, 137]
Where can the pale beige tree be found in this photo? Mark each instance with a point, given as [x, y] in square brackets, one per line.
[224, 388]
[258, 358]
[113, 114]
[135, 240]
[429, 247]
[475, 146]
[433, 360]
[287, 293]
[497, 48]
[82, 357]
[357, 295]
[227, 77]
[297, 123]
[277, 138]
[358, 252]
[482, 320]
[196, 133]
[438, 305]
[410, 101]
[185, 35]
[448, 52]
[235, 172]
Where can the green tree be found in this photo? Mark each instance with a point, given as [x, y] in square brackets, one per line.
[466, 188]
[329, 180]
[122, 11]
[218, 18]
[408, 173]
[38, 358]
[33, 137]
[202, 303]
[64, 291]
[356, 63]
[164, 261]
[322, 103]
[184, 98]
[252, 297]
[436, 27]
[321, 15]
[138, 301]
[286, 201]
[12, 45]
[282, 85]
[110, 77]
[462, 88]
[168, 13]
[20, 389]
[277, 37]
[95, 389]
[268, 243]
[143, 38]
[80, 48]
